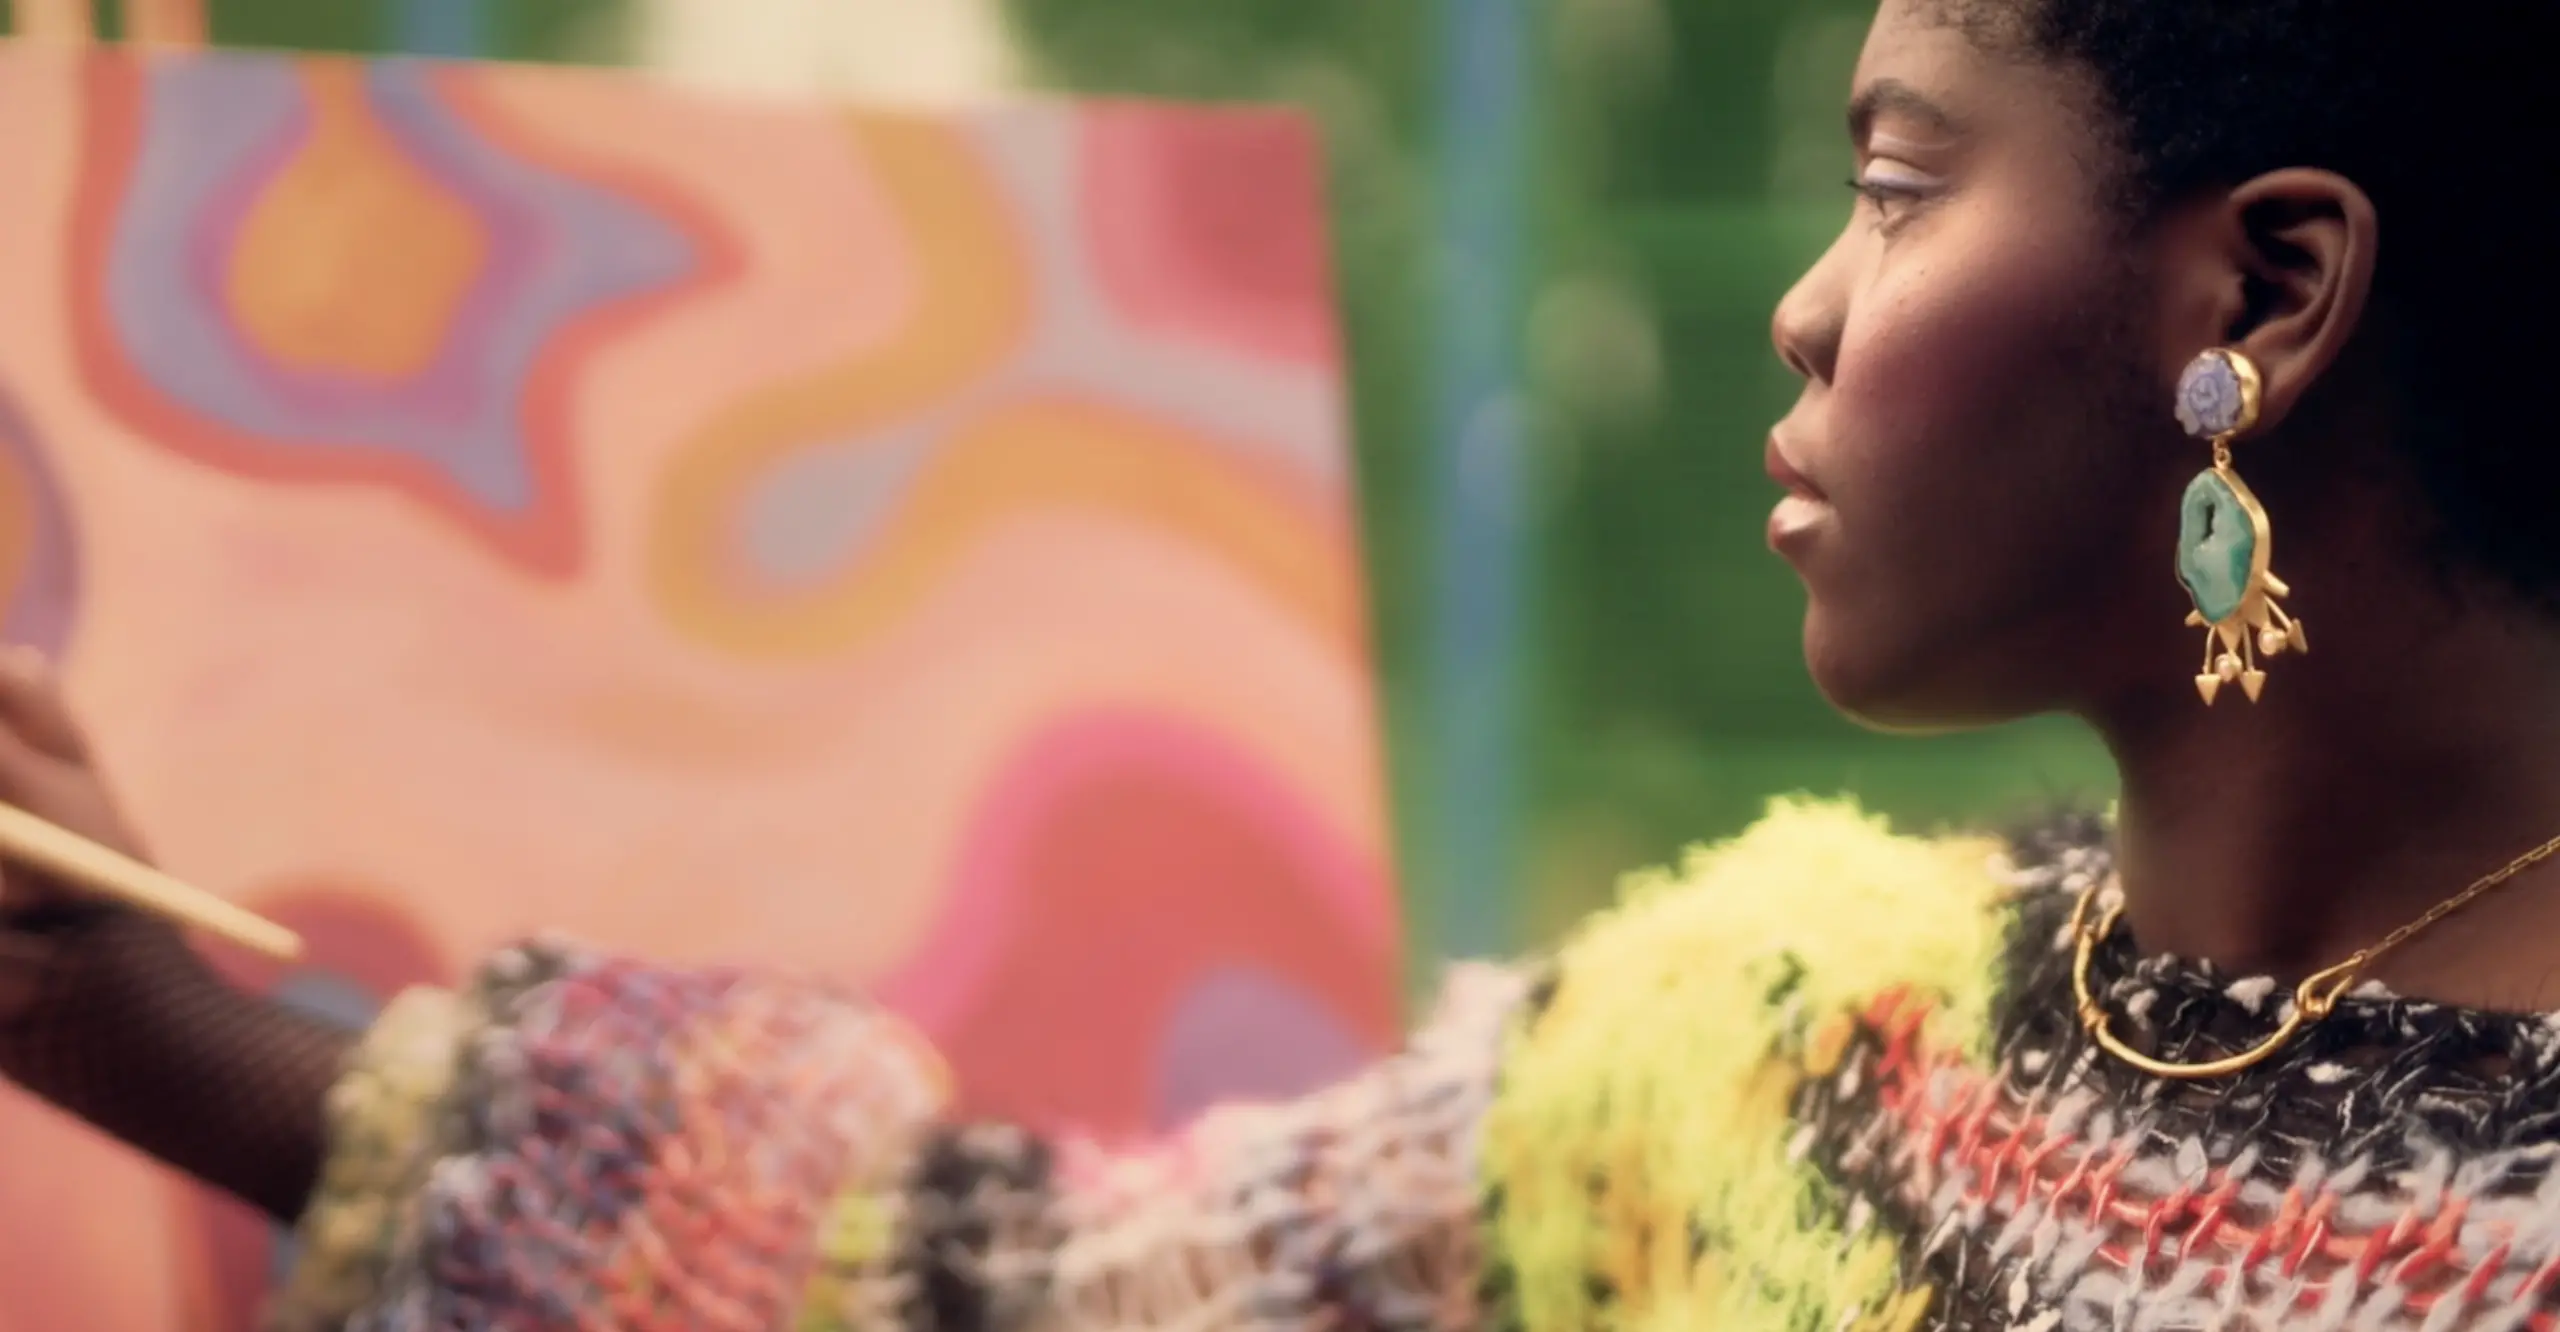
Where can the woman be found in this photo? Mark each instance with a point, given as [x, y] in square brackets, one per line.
[1822, 1076]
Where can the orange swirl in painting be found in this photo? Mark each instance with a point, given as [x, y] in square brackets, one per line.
[972, 303]
[349, 213]
[1026, 459]
[325, 271]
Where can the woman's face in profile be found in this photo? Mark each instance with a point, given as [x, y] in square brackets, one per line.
[1983, 460]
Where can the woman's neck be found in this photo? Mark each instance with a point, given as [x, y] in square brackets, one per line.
[2282, 837]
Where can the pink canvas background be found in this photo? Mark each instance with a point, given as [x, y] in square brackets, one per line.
[916, 551]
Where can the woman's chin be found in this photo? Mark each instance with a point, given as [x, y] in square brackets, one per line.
[1899, 688]
[1851, 679]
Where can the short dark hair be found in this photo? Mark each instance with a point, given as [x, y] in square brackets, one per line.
[2448, 116]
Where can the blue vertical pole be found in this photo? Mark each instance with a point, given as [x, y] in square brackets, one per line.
[1478, 441]
[452, 28]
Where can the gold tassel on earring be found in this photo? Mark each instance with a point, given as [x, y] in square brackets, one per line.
[2223, 542]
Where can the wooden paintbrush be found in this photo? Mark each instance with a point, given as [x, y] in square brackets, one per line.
[67, 855]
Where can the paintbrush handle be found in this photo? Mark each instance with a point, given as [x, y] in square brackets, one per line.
[69, 856]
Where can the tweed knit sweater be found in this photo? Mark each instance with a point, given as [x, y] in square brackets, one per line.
[1820, 1077]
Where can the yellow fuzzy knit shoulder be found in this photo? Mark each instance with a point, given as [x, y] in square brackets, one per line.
[1638, 1158]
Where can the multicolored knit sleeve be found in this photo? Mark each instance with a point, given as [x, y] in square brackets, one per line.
[582, 1142]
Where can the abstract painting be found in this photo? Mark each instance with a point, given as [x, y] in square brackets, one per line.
[913, 550]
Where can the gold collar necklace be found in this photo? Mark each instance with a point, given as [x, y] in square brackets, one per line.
[2314, 999]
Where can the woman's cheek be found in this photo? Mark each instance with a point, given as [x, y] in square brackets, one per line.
[1950, 347]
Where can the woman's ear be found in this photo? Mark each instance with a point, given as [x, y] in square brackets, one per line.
[2298, 250]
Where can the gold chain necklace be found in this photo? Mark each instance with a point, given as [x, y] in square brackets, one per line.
[2314, 999]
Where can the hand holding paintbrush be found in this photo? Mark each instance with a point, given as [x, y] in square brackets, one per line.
[61, 837]
[106, 1013]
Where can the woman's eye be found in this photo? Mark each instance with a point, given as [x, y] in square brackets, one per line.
[1867, 190]
[1890, 193]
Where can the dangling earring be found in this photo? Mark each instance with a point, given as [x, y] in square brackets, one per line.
[2223, 546]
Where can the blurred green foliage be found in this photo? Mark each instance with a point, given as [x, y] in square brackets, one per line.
[517, 29]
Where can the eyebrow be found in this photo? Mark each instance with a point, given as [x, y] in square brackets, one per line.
[1892, 96]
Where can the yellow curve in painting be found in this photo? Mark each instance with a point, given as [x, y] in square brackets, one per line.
[973, 303]
[1056, 455]
[350, 212]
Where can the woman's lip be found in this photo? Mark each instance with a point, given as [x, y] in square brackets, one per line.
[1794, 521]
[1803, 510]
[1784, 472]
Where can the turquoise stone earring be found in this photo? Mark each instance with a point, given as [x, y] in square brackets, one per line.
[2223, 545]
